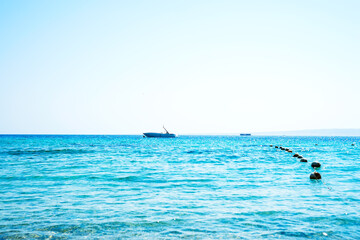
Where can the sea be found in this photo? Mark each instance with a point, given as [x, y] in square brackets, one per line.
[190, 187]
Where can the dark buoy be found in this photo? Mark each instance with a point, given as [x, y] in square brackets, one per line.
[296, 155]
[270, 145]
[303, 160]
[276, 147]
[300, 156]
[315, 175]
[282, 148]
[290, 151]
[316, 144]
[315, 165]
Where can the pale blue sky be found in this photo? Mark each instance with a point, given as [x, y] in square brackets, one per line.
[125, 67]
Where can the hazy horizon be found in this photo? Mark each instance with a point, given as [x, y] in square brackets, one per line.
[304, 132]
[108, 67]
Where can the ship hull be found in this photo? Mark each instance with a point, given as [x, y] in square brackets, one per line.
[159, 135]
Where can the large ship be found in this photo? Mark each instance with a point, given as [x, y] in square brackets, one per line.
[160, 135]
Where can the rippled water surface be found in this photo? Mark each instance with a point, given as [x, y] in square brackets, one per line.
[191, 187]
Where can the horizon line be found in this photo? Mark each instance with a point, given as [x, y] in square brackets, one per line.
[237, 133]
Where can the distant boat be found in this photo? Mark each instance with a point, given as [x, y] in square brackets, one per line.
[245, 134]
[160, 135]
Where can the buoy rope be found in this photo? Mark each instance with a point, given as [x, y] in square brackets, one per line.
[330, 188]
[321, 180]
[337, 192]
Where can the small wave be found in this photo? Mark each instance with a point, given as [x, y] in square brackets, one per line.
[224, 157]
[173, 232]
[295, 234]
[52, 151]
[197, 230]
[194, 152]
[204, 151]
[191, 180]
[127, 179]
[262, 213]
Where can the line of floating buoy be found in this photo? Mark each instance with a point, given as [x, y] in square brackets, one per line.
[315, 165]
[315, 175]
[302, 159]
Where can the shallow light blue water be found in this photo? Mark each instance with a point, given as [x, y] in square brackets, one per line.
[191, 187]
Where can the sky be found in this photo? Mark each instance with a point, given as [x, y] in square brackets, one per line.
[197, 67]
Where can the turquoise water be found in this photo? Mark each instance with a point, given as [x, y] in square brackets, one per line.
[191, 187]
